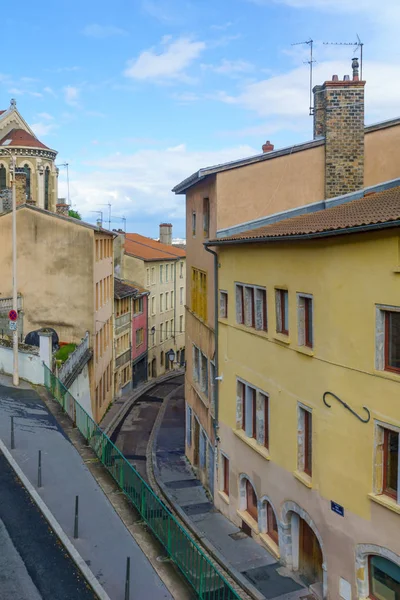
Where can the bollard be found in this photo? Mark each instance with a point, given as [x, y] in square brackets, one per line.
[76, 517]
[12, 434]
[39, 475]
[128, 577]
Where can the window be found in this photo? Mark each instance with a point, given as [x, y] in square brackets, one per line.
[253, 406]
[272, 525]
[139, 337]
[172, 299]
[223, 305]
[384, 579]
[282, 311]
[213, 384]
[188, 425]
[166, 273]
[196, 363]
[206, 217]
[172, 328]
[138, 306]
[161, 358]
[180, 266]
[147, 276]
[225, 471]
[161, 273]
[153, 339]
[97, 296]
[3, 181]
[204, 374]
[392, 341]
[181, 296]
[153, 305]
[166, 300]
[305, 441]
[199, 293]
[305, 320]
[173, 267]
[166, 330]
[161, 302]
[162, 333]
[251, 306]
[390, 485]
[46, 188]
[181, 324]
[28, 181]
[153, 275]
[193, 224]
[251, 501]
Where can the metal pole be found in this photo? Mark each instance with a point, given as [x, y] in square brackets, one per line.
[14, 262]
[12, 434]
[39, 478]
[128, 577]
[76, 524]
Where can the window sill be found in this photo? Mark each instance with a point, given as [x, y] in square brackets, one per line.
[396, 270]
[252, 523]
[252, 443]
[385, 501]
[305, 350]
[224, 497]
[270, 544]
[303, 478]
[282, 337]
[388, 374]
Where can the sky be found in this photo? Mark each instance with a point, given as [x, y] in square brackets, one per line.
[136, 95]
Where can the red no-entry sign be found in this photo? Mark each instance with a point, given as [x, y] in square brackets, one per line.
[13, 315]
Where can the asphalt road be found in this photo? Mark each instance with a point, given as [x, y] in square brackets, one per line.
[33, 564]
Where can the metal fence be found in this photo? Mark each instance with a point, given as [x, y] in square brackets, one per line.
[201, 574]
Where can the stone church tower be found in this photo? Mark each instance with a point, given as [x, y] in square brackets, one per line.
[36, 170]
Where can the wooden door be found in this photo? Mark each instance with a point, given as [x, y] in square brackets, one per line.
[310, 555]
[251, 501]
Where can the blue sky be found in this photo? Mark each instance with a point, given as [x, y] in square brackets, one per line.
[137, 94]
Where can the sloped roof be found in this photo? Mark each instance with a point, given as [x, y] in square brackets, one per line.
[2, 111]
[20, 137]
[148, 249]
[376, 208]
[122, 289]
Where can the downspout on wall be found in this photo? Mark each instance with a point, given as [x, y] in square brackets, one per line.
[216, 361]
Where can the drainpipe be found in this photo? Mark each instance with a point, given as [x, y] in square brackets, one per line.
[216, 426]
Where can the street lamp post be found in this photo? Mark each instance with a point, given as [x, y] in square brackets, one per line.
[14, 268]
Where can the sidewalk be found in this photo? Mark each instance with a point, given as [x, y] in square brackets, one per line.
[104, 542]
[241, 555]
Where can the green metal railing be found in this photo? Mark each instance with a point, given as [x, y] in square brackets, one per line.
[202, 575]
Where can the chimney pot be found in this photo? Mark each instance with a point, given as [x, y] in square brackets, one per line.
[62, 207]
[346, 78]
[267, 147]
[166, 233]
[355, 65]
[335, 78]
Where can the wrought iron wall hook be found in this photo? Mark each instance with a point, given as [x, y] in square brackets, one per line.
[347, 406]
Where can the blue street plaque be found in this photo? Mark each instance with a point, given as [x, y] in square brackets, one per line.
[339, 510]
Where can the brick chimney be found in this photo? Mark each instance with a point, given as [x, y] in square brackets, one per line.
[339, 117]
[20, 186]
[62, 208]
[267, 147]
[166, 233]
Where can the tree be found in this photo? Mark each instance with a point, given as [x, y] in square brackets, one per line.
[74, 214]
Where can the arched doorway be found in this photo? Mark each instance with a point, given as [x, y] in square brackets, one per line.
[310, 555]
[268, 521]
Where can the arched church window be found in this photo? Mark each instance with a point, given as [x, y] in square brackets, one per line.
[46, 188]
[28, 181]
[3, 177]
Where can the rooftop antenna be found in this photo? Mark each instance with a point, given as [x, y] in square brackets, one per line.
[109, 213]
[122, 219]
[99, 222]
[358, 44]
[66, 166]
[310, 62]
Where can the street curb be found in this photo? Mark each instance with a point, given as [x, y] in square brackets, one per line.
[56, 527]
[109, 430]
[213, 551]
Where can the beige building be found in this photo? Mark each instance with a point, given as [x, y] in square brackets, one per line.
[65, 280]
[159, 267]
[241, 195]
[33, 159]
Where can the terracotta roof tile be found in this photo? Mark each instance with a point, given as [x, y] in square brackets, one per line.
[2, 111]
[123, 290]
[373, 208]
[148, 249]
[20, 137]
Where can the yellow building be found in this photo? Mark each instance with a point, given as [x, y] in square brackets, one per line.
[65, 281]
[343, 156]
[309, 391]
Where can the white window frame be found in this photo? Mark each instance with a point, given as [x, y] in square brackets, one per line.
[248, 310]
[379, 427]
[301, 408]
[188, 424]
[181, 296]
[223, 304]
[161, 273]
[380, 341]
[166, 273]
[301, 320]
[260, 412]
[181, 324]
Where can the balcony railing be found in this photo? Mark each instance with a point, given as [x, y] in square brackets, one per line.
[123, 358]
[6, 304]
[75, 362]
[122, 322]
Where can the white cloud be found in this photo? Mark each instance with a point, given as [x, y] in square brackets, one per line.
[102, 31]
[222, 27]
[71, 95]
[323, 5]
[230, 67]
[50, 91]
[41, 129]
[170, 63]
[135, 187]
[46, 116]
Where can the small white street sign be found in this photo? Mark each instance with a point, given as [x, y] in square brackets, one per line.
[13, 325]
